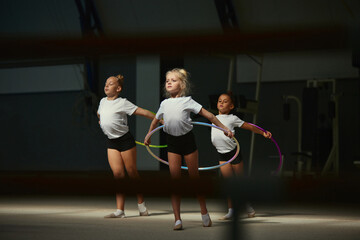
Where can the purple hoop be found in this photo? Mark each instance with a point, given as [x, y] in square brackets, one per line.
[277, 146]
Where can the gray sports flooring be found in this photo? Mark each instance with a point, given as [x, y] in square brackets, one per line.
[50, 217]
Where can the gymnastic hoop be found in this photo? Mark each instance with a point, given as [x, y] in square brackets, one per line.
[277, 146]
[152, 146]
[201, 168]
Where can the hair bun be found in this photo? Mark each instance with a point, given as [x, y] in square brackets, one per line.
[183, 71]
[120, 77]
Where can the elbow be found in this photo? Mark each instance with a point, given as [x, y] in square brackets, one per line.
[208, 115]
[212, 117]
[155, 121]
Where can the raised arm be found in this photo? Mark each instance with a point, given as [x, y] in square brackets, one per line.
[254, 129]
[211, 117]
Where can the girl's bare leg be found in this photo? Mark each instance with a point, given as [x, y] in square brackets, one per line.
[227, 172]
[175, 171]
[193, 169]
[117, 166]
[129, 157]
[238, 169]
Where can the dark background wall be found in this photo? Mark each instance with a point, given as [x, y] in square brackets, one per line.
[207, 71]
[57, 130]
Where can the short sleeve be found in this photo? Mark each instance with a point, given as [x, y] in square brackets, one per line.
[160, 112]
[195, 106]
[128, 107]
[100, 105]
[237, 122]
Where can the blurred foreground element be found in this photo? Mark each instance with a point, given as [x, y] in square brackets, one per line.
[235, 42]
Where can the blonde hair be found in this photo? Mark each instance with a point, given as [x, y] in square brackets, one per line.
[183, 76]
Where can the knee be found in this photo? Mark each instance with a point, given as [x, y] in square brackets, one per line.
[194, 175]
[175, 175]
[132, 171]
[119, 174]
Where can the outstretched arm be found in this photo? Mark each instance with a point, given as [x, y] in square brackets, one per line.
[153, 125]
[145, 113]
[211, 117]
[254, 129]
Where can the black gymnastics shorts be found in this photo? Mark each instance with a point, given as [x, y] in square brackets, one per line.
[224, 157]
[122, 143]
[182, 145]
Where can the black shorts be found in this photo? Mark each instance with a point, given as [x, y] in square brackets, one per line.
[227, 156]
[182, 145]
[122, 143]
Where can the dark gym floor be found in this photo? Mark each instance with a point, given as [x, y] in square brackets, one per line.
[41, 214]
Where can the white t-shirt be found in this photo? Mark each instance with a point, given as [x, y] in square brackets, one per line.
[176, 114]
[113, 119]
[222, 143]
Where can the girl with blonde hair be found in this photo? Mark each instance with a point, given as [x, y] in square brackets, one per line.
[175, 111]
